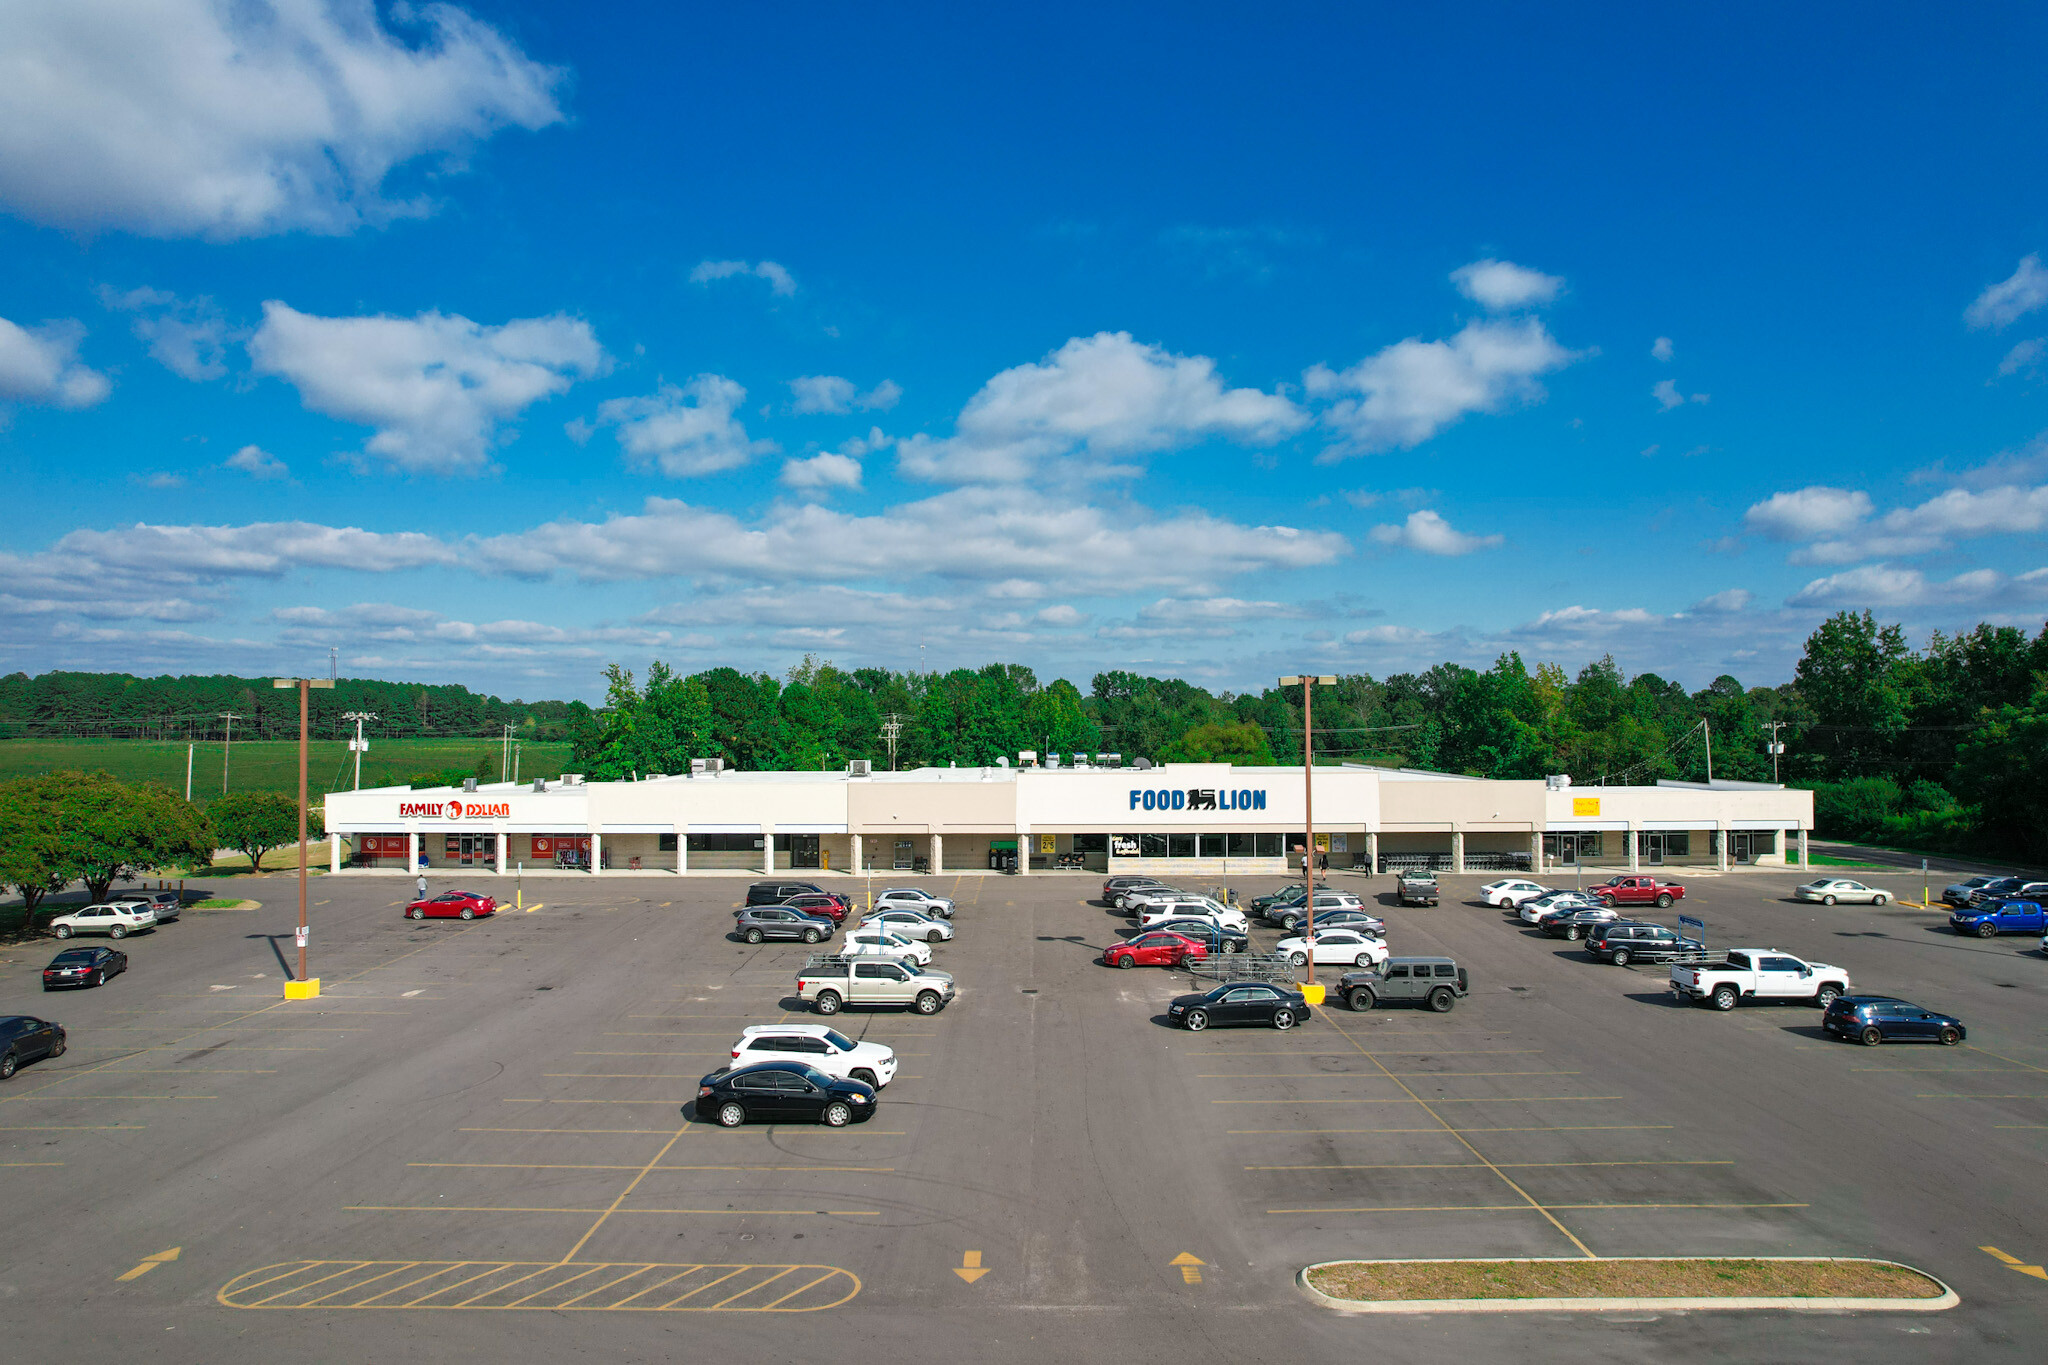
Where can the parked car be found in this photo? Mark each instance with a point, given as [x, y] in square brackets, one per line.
[1638, 891]
[1114, 886]
[910, 898]
[1134, 899]
[818, 1046]
[1759, 974]
[1511, 891]
[910, 924]
[1291, 917]
[1153, 948]
[1437, 982]
[1339, 947]
[1828, 890]
[1574, 925]
[1961, 893]
[1192, 909]
[783, 1092]
[1536, 908]
[1999, 917]
[777, 892]
[1334, 919]
[115, 921]
[167, 904]
[1211, 935]
[1237, 1003]
[882, 943]
[25, 1039]
[1626, 941]
[823, 904]
[83, 967]
[1417, 888]
[1997, 889]
[1874, 1019]
[758, 922]
[1284, 896]
[453, 905]
[835, 981]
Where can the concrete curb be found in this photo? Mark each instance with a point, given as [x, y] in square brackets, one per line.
[1947, 1299]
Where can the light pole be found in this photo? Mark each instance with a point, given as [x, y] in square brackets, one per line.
[1307, 683]
[305, 988]
[359, 744]
[505, 758]
[228, 749]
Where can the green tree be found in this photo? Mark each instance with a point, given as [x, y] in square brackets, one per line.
[2003, 769]
[254, 822]
[118, 831]
[1235, 742]
[1851, 675]
[36, 857]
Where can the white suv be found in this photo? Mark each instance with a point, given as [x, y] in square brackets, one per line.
[117, 920]
[827, 1049]
[909, 924]
[1191, 908]
[912, 898]
[882, 943]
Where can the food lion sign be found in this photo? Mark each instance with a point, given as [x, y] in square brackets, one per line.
[455, 810]
[1199, 798]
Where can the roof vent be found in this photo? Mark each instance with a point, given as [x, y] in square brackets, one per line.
[1143, 765]
[540, 784]
[1557, 782]
[469, 784]
[860, 767]
[1110, 760]
[572, 779]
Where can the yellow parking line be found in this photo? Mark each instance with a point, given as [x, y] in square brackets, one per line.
[1404, 1099]
[1477, 1165]
[31, 1163]
[638, 1132]
[1380, 1052]
[1531, 1208]
[1566, 1128]
[2001, 1057]
[71, 1127]
[1981, 1097]
[550, 1166]
[1357, 1075]
[734, 1213]
[66, 1099]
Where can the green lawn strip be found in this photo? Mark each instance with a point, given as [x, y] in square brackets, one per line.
[1853, 864]
[1677, 1278]
[268, 764]
[222, 903]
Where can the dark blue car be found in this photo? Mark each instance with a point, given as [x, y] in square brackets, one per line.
[1874, 1019]
[1999, 917]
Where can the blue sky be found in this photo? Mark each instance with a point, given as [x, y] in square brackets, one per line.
[491, 344]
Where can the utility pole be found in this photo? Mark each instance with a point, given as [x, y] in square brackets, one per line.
[358, 745]
[188, 771]
[1308, 683]
[505, 758]
[333, 662]
[307, 987]
[516, 745]
[1774, 746]
[1707, 729]
[891, 728]
[228, 749]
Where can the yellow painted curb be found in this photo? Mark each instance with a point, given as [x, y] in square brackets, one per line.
[1313, 992]
[302, 990]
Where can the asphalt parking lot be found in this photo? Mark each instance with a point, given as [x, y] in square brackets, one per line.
[474, 1140]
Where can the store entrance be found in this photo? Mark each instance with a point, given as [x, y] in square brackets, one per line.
[472, 850]
[803, 850]
[1650, 846]
[1741, 849]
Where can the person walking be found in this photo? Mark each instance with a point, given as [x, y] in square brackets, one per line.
[423, 886]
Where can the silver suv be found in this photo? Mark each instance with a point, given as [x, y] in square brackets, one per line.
[913, 898]
[757, 922]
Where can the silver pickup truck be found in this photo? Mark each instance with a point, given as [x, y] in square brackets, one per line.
[832, 981]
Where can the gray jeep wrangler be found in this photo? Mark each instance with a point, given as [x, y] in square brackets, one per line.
[1434, 981]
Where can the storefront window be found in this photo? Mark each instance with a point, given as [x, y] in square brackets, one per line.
[1180, 845]
[1152, 845]
[1238, 845]
[1091, 843]
[1212, 846]
[668, 842]
[1268, 845]
[724, 843]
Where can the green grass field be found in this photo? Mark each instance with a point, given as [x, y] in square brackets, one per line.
[266, 765]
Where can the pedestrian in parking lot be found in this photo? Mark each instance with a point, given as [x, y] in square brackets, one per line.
[423, 886]
[1322, 862]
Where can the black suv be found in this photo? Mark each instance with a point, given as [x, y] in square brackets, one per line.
[1435, 981]
[776, 893]
[1627, 940]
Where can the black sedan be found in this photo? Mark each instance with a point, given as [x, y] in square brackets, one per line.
[782, 1092]
[1575, 924]
[23, 1039]
[1874, 1019]
[84, 967]
[1239, 1002]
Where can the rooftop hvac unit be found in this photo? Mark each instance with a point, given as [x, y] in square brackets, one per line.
[714, 765]
[540, 784]
[1143, 765]
[696, 766]
[1557, 782]
[572, 779]
[469, 784]
[1027, 757]
[1110, 760]
[860, 767]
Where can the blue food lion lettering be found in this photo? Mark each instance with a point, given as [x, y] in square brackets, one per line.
[1198, 798]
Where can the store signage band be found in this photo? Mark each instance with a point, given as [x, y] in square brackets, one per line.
[454, 810]
[1199, 798]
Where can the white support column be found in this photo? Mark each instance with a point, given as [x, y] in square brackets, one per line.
[860, 866]
[1802, 849]
[499, 841]
[1023, 850]
[1634, 848]
[334, 851]
[1372, 852]
[596, 849]
[412, 852]
[682, 850]
[1536, 853]
[1457, 850]
[938, 853]
[767, 848]
[1721, 843]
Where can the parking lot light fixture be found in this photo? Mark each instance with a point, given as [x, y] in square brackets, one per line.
[306, 987]
[1307, 684]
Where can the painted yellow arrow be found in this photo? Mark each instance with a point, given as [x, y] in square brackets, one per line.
[1190, 1267]
[2038, 1272]
[150, 1263]
[970, 1267]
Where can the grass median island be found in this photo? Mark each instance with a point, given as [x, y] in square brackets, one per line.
[226, 903]
[1677, 1278]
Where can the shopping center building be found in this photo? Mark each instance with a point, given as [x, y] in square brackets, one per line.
[1188, 819]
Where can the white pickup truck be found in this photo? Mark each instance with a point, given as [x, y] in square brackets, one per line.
[1760, 974]
[832, 981]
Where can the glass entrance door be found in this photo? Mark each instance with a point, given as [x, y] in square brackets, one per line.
[1650, 847]
[803, 850]
[1740, 848]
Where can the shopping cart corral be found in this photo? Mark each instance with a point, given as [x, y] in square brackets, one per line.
[1268, 967]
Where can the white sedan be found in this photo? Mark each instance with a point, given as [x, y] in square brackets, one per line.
[1533, 910]
[1510, 891]
[1334, 948]
[882, 943]
[115, 921]
[1828, 890]
[1204, 909]
[909, 924]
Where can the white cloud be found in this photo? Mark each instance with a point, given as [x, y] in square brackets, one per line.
[257, 463]
[821, 472]
[436, 387]
[1668, 397]
[2026, 356]
[1502, 285]
[686, 431]
[824, 602]
[831, 393]
[1960, 513]
[186, 336]
[780, 282]
[1661, 348]
[1413, 389]
[41, 366]
[1808, 513]
[1427, 532]
[162, 480]
[1886, 585]
[1213, 609]
[2011, 298]
[1723, 603]
[1103, 396]
[194, 117]
[1061, 614]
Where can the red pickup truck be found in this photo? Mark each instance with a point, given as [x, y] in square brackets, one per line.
[1637, 891]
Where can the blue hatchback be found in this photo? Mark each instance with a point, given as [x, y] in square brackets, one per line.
[1874, 1019]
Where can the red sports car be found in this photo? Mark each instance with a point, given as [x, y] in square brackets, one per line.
[453, 905]
[1158, 948]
